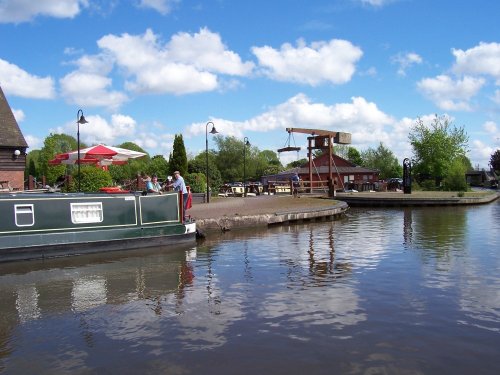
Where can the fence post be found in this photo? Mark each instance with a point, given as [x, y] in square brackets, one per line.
[331, 187]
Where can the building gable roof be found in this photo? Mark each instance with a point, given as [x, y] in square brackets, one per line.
[323, 160]
[10, 134]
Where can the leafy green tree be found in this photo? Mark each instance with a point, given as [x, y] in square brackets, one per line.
[50, 148]
[436, 147]
[92, 179]
[341, 150]
[296, 163]
[31, 170]
[265, 162]
[495, 161]
[455, 177]
[382, 159]
[178, 159]
[134, 147]
[129, 171]
[354, 156]
[230, 158]
[197, 182]
[55, 144]
[33, 162]
[270, 157]
[158, 165]
[199, 165]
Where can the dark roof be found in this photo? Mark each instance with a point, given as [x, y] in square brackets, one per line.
[10, 134]
[344, 170]
[286, 175]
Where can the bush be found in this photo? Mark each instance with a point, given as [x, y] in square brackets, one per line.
[429, 185]
[455, 178]
[93, 179]
[197, 182]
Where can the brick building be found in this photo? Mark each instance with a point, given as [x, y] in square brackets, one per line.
[345, 174]
[12, 149]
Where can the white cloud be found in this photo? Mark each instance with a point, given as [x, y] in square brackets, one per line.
[481, 152]
[18, 114]
[206, 51]
[483, 59]
[376, 3]
[496, 98]
[16, 81]
[187, 64]
[161, 6]
[34, 143]
[99, 64]
[300, 111]
[490, 127]
[370, 72]
[100, 130]
[124, 126]
[90, 90]
[156, 144]
[333, 61]
[17, 11]
[406, 61]
[448, 94]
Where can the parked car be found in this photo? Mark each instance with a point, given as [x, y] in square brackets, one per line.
[394, 183]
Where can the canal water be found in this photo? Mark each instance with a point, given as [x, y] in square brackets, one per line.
[382, 291]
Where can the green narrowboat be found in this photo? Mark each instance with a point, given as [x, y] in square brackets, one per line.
[59, 224]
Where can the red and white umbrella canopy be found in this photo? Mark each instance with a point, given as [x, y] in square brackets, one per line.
[100, 154]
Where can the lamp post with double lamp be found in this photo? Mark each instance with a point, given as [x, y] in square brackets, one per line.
[245, 144]
[80, 119]
[213, 131]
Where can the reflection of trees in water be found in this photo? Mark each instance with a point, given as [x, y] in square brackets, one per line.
[213, 299]
[407, 226]
[248, 267]
[321, 262]
[438, 230]
[186, 278]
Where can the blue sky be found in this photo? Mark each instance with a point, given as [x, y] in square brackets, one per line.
[145, 70]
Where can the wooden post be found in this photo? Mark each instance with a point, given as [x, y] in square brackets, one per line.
[309, 150]
[31, 182]
[331, 187]
[67, 183]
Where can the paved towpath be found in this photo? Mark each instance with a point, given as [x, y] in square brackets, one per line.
[265, 204]
[237, 212]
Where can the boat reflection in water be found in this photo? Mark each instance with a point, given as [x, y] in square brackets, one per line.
[375, 292]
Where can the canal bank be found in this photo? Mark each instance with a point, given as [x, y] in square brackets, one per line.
[417, 198]
[223, 214]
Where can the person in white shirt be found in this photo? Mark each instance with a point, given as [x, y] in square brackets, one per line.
[180, 185]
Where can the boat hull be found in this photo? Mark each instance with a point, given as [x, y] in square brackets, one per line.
[48, 225]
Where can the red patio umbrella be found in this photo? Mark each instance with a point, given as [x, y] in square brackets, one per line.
[100, 154]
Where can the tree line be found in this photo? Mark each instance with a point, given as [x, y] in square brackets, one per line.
[439, 160]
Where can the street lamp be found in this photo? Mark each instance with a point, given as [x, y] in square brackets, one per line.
[213, 131]
[245, 144]
[80, 119]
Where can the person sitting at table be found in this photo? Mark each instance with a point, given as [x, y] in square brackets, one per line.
[153, 186]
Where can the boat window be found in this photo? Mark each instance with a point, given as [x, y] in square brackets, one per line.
[90, 212]
[24, 215]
